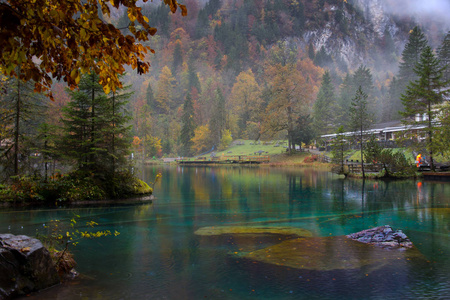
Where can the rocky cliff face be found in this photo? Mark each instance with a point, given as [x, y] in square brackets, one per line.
[375, 13]
[353, 35]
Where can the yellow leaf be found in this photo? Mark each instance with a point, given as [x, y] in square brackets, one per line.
[73, 73]
[131, 15]
[77, 79]
[106, 89]
[82, 34]
[145, 19]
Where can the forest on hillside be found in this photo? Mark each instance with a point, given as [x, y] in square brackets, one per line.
[235, 69]
[230, 69]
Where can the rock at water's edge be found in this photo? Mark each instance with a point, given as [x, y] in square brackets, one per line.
[25, 266]
[383, 236]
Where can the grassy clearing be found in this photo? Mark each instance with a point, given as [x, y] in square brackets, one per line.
[275, 149]
[249, 147]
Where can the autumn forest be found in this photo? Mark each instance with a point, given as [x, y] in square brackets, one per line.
[218, 71]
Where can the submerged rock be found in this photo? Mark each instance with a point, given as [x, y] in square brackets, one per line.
[328, 253]
[383, 236]
[25, 266]
[369, 249]
[219, 230]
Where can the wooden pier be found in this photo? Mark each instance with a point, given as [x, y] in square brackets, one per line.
[442, 176]
[235, 159]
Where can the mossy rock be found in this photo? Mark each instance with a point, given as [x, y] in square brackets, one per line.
[329, 253]
[142, 188]
[219, 230]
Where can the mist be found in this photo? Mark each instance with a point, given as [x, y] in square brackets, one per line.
[438, 10]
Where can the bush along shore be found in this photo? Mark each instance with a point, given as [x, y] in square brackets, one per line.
[75, 187]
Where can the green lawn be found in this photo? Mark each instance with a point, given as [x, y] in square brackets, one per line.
[249, 147]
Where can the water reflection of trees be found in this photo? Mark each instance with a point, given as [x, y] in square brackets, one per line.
[292, 192]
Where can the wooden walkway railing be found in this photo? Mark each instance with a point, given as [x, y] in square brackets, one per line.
[356, 167]
[229, 159]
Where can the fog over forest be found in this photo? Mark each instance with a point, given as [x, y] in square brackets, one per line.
[432, 9]
[238, 37]
[255, 69]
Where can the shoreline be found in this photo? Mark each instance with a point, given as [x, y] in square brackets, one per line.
[133, 200]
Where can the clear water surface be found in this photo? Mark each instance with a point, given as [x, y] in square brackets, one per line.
[158, 255]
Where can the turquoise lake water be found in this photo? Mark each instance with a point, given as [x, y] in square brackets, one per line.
[158, 255]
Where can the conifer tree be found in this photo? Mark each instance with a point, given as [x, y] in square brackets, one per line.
[322, 59]
[82, 124]
[392, 107]
[339, 151]
[361, 120]
[410, 57]
[188, 123]
[95, 134]
[218, 118]
[444, 56]
[116, 131]
[304, 131]
[362, 78]
[311, 52]
[150, 97]
[177, 57]
[346, 94]
[193, 81]
[324, 109]
[20, 111]
[422, 95]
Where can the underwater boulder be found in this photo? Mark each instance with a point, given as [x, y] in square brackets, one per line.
[328, 253]
[220, 230]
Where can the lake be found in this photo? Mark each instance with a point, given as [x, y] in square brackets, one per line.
[160, 254]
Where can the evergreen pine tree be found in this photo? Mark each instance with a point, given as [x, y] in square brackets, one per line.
[422, 95]
[95, 134]
[116, 132]
[20, 111]
[150, 97]
[188, 126]
[193, 81]
[339, 151]
[82, 124]
[311, 52]
[392, 107]
[444, 56]
[362, 78]
[389, 46]
[177, 58]
[218, 118]
[304, 131]
[411, 55]
[322, 59]
[324, 109]
[361, 120]
[346, 94]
